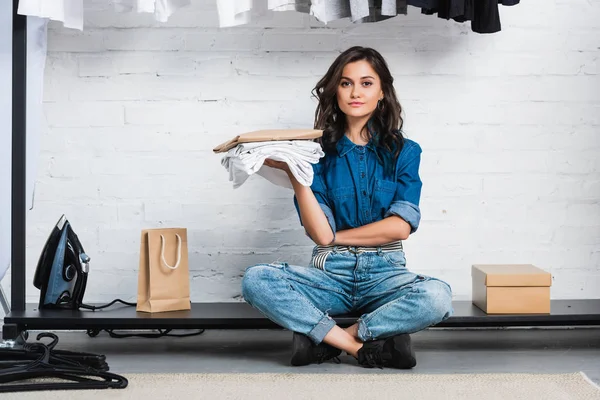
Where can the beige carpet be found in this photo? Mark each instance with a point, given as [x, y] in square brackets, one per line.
[378, 386]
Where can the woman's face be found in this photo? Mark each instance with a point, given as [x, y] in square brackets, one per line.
[359, 89]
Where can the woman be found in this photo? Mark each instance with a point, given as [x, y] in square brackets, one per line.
[363, 202]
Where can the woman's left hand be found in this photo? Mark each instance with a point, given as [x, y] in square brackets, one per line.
[277, 165]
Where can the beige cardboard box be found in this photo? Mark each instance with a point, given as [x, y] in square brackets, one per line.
[511, 289]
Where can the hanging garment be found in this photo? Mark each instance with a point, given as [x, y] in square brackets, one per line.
[423, 3]
[393, 7]
[240, 12]
[486, 16]
[447, 8]
[289, 5]
[467, 15]
[248, 158]
[483, 14]
[70, 12]
[232, 13]
[162, 9]
[357, 10]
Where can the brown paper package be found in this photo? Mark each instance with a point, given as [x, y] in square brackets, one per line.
[269, 135]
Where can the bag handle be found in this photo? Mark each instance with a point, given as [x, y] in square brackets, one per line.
[162, 251]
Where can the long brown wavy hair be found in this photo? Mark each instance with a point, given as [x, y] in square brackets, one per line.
[384, 126]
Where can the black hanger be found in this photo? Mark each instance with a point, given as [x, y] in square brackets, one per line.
[69, 370]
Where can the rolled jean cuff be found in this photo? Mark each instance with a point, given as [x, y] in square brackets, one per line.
[364, 334]
[321, 329]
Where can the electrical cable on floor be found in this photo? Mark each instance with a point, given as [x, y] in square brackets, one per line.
[161, 333]
[113, 334]
[94, 308]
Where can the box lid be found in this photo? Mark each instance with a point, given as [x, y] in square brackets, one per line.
[269, 135]
[512, 275]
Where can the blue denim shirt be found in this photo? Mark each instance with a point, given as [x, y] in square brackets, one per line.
[353, 190]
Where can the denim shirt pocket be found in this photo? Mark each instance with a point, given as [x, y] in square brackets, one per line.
[344, 201]
[383, 195]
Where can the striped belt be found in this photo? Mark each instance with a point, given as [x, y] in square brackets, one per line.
[324, 251]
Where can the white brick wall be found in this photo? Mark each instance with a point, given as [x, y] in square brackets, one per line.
[509, 124]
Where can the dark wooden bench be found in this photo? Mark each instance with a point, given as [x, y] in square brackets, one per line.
[242, 316]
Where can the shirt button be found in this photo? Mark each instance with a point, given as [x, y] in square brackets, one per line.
[364, 193]
[362, 175]
[362, 158]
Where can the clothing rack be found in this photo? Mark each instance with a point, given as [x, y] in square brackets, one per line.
[202, 315]
[19, 159]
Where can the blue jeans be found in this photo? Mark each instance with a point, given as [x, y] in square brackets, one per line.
[391, 299]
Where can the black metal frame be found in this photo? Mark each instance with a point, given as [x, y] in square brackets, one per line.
[202, 315]
[19, 159]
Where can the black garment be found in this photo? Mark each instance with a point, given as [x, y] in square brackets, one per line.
[428, 4]
[483, 14]
[446, 9]
[468, 13]
[486, 16]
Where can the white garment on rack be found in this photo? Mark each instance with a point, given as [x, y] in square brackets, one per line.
[289, 5]
[70, 12]
[232, 13]
[248, 158]
[357, 10]
[162, 9]
[239, 12]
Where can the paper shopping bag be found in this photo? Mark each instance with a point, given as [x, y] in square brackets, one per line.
[163, 281]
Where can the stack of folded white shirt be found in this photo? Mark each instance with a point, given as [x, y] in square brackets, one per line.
[248, 158]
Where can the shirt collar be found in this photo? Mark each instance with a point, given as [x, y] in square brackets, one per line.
[344, 145]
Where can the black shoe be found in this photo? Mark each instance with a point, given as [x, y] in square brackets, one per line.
[305, 351]
[394, 352]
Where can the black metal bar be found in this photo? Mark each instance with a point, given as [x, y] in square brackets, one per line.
[19, 159]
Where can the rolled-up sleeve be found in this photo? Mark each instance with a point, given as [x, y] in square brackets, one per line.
[320, 191]
[408, 188]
